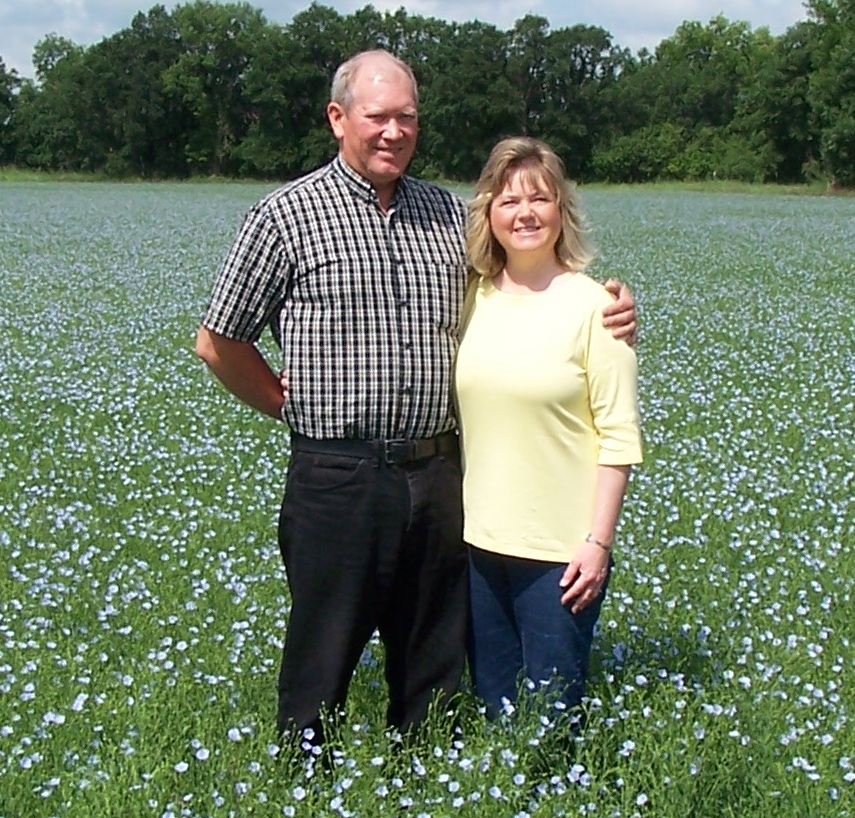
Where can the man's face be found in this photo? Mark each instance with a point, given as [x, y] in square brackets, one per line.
[378, 130]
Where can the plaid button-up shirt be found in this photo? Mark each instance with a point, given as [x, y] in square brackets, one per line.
[365, 304]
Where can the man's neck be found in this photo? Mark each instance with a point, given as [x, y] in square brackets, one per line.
[385, 191]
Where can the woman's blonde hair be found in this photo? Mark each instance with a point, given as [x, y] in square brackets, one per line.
[542, 168]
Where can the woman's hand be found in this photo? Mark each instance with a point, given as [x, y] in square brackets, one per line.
[584, 576]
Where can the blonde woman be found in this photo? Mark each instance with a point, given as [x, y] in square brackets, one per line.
[549, 423]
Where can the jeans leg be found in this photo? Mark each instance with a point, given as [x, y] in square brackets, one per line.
[495, 649]
[556, 643]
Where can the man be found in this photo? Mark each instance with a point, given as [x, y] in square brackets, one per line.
[361, 270]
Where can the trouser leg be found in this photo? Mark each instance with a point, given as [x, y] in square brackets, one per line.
[495, 650]
[520, 630]
[556, 642]
[369, 545]
[424, 615]
[327, 538]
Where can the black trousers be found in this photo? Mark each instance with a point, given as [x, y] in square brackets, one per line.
[369, 545]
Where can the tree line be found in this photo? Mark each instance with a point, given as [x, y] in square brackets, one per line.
[217, 89]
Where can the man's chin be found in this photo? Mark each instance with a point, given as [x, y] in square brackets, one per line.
[392, 162]
[388, 172]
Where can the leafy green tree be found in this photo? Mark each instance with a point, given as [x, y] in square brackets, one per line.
[692, 93]
[717, 153]
[50, 51]
[774, 113]
[832, 87]
[579, 62]
[527, 70]
[324, 36]
[649, 153]
[626, 103]
[838, 150]
[467, 104]
[105, 108]
[702, 71]
[147, 126]
[10, 83]
[55, 120]
[214, 88]
[414, 39]
[218, 44]
[67, 121]
[287, 132]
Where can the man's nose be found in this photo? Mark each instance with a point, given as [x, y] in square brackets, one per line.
[393, 129]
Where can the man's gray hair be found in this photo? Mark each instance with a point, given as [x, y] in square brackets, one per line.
[342, 84]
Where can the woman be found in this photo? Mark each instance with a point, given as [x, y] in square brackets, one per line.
[549, 422]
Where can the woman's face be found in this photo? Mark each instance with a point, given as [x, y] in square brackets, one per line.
[524, 216]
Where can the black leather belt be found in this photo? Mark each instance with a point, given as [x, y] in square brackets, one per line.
[396, 452]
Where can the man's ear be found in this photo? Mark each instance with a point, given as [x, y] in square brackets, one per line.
[335, 115]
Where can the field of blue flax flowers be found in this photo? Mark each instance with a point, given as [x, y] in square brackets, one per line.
[142, 600]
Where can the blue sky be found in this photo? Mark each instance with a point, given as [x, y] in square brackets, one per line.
[633, 24]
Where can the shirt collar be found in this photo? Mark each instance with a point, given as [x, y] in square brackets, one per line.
[363, 188]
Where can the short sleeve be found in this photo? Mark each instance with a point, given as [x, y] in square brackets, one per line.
[612, 372]
[251, 283]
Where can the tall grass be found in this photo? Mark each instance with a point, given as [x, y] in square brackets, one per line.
[142, 600]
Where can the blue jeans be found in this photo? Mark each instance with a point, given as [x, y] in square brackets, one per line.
[520, 630]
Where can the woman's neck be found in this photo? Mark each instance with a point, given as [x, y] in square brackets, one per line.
[529, 275]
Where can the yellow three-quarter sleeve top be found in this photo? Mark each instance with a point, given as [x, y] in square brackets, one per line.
[545, 394]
